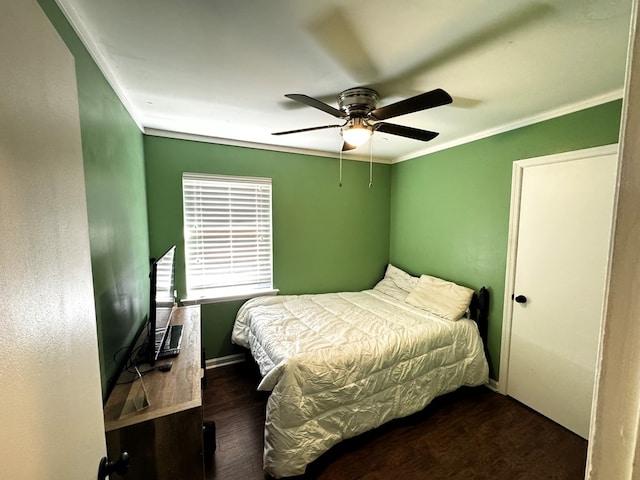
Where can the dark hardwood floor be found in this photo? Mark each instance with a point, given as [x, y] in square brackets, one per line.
[473, 433]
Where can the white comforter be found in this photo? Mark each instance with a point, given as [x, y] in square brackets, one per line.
[340, 364]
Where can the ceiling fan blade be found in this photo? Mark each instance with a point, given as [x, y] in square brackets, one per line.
[312, 102]
[434, 98]
[337, 34]
[347, 146]
[307, 129]
[325, 98]
[504, 22]
[402, 131]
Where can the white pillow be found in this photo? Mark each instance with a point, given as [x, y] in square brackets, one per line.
[388, 287]
[445, 299]
[401, 278]
[396, 283]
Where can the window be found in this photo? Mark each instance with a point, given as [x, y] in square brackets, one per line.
[228, 241]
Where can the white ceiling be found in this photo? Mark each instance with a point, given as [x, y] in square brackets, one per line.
[220, 68]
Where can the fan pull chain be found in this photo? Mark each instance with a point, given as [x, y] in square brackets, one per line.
[340, 181]
[370, 163]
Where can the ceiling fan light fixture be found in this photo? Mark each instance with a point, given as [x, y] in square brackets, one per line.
[357, 132]
[356, 136]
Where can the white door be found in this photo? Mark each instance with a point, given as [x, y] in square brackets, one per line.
[51, 423]
[563, 236]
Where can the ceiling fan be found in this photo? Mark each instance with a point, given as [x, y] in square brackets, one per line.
[361, 115]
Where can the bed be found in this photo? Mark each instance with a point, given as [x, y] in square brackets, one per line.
[340, 364]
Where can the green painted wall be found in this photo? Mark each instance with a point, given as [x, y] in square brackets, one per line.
[325, 237]
[450, 209]
[116, 203]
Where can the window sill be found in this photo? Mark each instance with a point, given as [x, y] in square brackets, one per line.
[229, 298]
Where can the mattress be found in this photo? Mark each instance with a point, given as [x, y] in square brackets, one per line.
[340, 364]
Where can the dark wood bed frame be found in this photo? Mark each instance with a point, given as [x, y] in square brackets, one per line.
[479, 308]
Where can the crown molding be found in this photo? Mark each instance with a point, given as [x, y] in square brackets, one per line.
[257, 146]
[87, 41]
[548, 115]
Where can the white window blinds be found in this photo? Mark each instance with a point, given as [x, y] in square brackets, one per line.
[227, 229]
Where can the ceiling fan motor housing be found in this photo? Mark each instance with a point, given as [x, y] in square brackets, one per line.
[358, 102]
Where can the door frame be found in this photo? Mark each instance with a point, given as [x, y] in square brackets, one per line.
[519, 166]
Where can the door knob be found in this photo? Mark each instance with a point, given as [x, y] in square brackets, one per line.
[521, 299]
[120, 466]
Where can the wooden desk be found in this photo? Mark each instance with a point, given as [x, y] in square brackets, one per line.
[164, 440]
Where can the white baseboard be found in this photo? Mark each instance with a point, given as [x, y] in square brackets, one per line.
[492, 385]
[227, 360]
